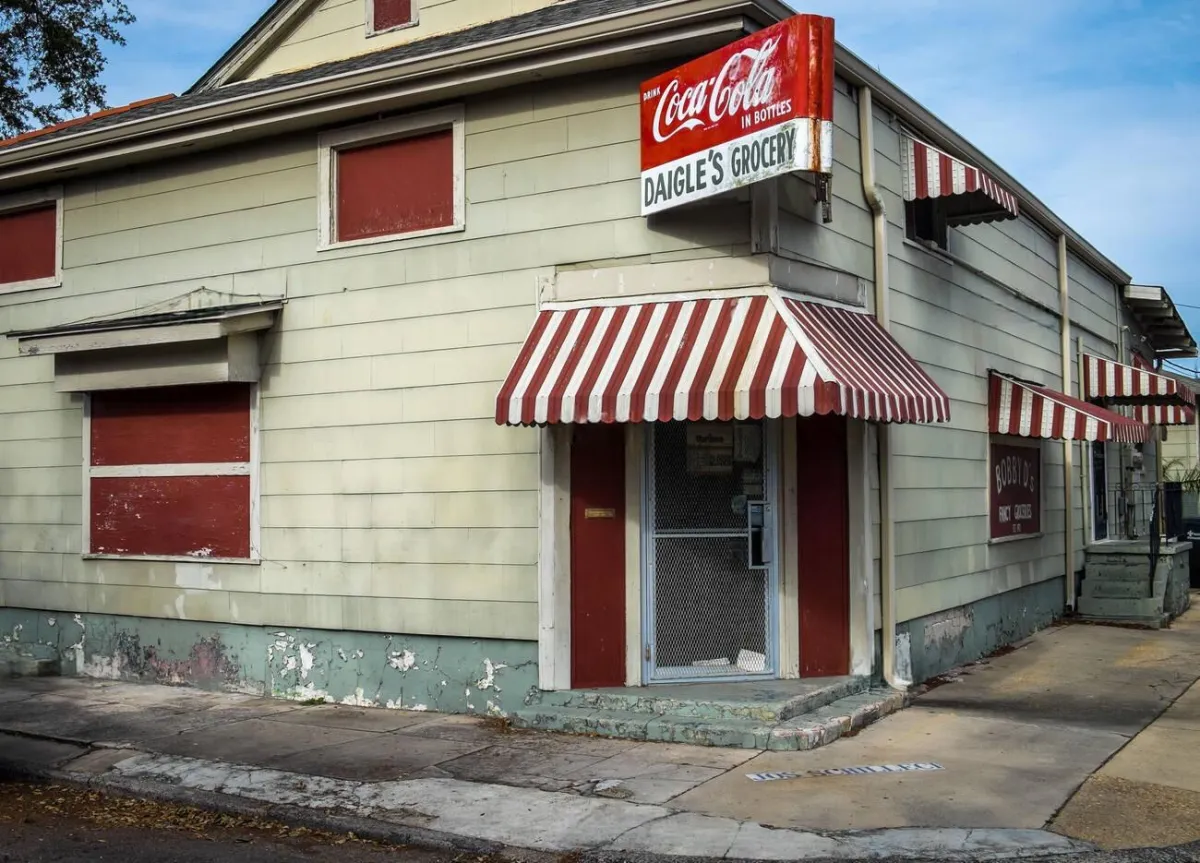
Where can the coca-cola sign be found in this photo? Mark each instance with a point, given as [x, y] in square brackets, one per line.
[760, 107]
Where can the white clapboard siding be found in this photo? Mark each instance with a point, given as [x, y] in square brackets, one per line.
[336, 29]
[384, 476]
[958, 324]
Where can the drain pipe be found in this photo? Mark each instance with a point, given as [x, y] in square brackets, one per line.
[1064, 287]
[887, 525]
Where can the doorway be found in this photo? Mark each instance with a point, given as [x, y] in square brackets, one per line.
[1099, 490]
[710, 562]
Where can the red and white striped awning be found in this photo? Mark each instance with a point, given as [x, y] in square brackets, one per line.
[1118, 383]
[1017, 407]
[1165, 415]
[744, 357]
[972, 196]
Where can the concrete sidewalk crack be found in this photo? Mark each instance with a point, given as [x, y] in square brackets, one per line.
[601, 845]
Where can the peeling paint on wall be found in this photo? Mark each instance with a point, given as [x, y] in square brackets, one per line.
[352, 668]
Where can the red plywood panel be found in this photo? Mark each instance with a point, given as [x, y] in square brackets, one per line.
[823, 502]
[396, 187]
[598, 556]
[28, 244]
[172, 425]
[392, 13]
[197, 516]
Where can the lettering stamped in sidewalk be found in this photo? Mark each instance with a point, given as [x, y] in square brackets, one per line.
[848, 771]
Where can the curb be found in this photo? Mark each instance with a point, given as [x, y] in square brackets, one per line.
[383, 830]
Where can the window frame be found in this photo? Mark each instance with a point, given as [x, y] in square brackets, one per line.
[378, 132]
[941, 224]
[1029, 443]
[414, 19]
[252, 468]
[27, 201]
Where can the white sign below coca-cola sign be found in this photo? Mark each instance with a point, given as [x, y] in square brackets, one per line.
[758, 108]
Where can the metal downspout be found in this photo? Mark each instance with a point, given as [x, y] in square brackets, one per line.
[1064, 287]
[887, 525]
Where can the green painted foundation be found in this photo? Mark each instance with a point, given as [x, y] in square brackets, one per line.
[408, 672]
[939, 642]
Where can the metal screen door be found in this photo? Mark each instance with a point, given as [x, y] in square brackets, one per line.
[710, 552]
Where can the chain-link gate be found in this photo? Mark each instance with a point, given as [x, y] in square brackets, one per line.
[711, 549]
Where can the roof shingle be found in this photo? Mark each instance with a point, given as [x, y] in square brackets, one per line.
[561, 14]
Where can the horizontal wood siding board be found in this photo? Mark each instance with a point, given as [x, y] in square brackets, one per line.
[395, 187]
[171, 425]
[29, 244]
[198, 516]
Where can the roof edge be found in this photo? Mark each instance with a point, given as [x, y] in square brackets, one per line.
[858, 72]
[249, 44]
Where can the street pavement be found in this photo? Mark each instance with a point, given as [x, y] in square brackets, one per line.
[1075, 709]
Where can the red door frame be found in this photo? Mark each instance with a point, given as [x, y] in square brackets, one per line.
[598, 556]
[823, 544]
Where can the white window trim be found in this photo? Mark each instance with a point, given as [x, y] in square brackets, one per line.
[329, 143]
[413, 21]
[1029, 443]
[250, 468]
[27, 200]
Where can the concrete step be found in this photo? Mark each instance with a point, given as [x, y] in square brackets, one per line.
[826, 724]
[1139, 575]
[771, 704]
[1101, 589]
[16, 662]
[1145, 611]
[806, 731]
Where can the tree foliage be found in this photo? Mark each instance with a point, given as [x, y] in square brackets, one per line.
[51, 58]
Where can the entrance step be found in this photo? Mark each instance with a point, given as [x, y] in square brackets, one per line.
[818, 725]
[771, 701]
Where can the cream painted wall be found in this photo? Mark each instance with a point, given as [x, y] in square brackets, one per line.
[336, 29]
[958, 324]
[390, 499]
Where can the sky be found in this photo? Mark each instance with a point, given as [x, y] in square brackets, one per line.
[1093, 105]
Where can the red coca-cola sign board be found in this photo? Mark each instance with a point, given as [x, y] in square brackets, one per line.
[758, 108]
[1016, 490]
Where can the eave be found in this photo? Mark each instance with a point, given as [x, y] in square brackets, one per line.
[620, 39]
[1159, 321]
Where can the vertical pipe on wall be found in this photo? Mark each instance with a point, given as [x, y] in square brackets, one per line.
[887, 525]
[1064, 287]
[1085, 457]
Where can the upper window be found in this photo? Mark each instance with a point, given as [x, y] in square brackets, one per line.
[169, 472]
[384, 15]
[394, 179]
[925, 222]
[31, 241]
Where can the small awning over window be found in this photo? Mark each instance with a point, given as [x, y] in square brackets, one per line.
[178, 345]
[1117, 383]
[1165, 415]
[745, 357]
[1017, 407]
[970, 196]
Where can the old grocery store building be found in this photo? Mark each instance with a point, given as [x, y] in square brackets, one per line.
[418, 359]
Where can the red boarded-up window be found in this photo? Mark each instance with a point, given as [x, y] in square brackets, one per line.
[29, 244]
[386, 14]
[169, 472]
[395, 187]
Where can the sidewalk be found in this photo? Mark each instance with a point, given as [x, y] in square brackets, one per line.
[1016, 737]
